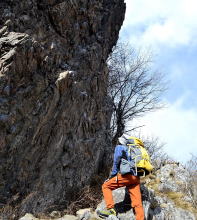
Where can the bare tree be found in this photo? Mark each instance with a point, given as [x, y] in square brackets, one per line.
[191, 183]
[133, 87]
[156, 151]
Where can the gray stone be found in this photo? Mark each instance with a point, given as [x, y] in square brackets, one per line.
[112, 217]
[28, 216]
[84, 214]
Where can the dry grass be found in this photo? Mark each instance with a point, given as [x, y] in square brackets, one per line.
[176, 197]
[90, 196]
[8, 212]
[154, 184]
[152, 176]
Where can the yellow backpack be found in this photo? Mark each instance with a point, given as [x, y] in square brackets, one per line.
[140, 160]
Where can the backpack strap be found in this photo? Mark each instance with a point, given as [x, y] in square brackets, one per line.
[135, 158]
[130, 150]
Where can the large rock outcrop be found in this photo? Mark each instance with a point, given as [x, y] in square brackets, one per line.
[54, 112]
[164, 198]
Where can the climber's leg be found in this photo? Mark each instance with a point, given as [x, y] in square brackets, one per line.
[135, 194]
[114, 183]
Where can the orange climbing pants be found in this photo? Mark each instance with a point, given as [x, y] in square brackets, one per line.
[133, 185]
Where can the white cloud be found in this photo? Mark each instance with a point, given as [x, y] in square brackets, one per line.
[176, 127]
[164, 22]
[164, 26]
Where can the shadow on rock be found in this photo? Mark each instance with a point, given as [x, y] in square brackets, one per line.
[150, 203]
[125, 205]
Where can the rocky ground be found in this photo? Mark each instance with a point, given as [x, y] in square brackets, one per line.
[163, 199]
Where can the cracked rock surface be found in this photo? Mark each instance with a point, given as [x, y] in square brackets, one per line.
[54, 112]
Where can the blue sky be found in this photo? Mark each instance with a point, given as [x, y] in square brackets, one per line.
[169, 29]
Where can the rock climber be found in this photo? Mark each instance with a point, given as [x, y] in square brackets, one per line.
[131, 180]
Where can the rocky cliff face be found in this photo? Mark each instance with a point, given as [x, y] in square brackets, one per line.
[54, 115]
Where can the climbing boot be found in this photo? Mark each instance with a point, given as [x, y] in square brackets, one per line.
[106, 213]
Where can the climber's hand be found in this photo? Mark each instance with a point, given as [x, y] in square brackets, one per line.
[106, 180]
[110, 177]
